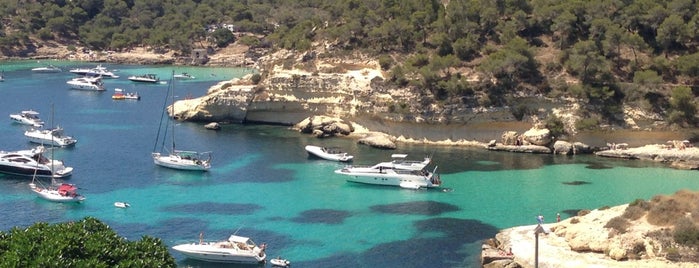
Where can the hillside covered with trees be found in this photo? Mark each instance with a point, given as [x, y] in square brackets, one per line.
[606, 53]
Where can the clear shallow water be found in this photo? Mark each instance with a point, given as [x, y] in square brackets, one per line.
[263, 185]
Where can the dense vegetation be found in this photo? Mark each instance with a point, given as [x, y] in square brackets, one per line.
[476, 52]
[86, 243]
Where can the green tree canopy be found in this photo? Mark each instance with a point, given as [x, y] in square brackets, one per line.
[85, 243]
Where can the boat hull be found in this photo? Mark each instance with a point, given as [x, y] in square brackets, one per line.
[28, 171]
[23, 163]
[211, 253]
[175, 162]
[323, 153]
[54, 196]
[53, 137]
[412, 179]
[52, 142]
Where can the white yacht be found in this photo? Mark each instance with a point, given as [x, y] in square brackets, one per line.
[47, 69]
[237, 249]
[146, 78]
[28, 117]
[98, 71]
[87, 83]
[31, 162]
[398, 172]
[54, 137]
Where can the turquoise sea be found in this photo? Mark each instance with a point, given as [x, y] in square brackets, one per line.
[263, 184]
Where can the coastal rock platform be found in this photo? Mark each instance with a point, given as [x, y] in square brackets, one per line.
[580, 241]
[685, 158]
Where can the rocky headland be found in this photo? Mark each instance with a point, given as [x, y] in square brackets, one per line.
[639, 234]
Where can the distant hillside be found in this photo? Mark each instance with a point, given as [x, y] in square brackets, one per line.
[609, 55]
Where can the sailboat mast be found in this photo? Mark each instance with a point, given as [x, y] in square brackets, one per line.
[52, 167]
[172, 114]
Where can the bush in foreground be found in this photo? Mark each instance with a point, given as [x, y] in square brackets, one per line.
[86, 243]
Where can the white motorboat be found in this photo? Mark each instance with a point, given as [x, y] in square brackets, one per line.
[184, 76]
[237, 249]
[121, 204]
[87, 83]
[54, 137]
[399, 172]
[62, 193]
[178, 159]
[279, 262]
[145, 78]
[32, 162]
[332, 154]
[98, 71]
[120, 94]
[28, 117]
[47, 69]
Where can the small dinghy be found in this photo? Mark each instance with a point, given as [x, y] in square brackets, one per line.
[121, 204]
[332, 154]
[279, 262]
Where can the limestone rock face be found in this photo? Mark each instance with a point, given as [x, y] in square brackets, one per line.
[225, 102]
[562, 147]
[378, 140]
[538, 136]
[509, 138]
[324, 126]
[567, 148]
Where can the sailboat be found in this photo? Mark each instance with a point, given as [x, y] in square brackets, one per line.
[171, 157]
[55, 192]
[62, 193]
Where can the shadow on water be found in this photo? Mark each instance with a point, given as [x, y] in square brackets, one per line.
[215, 208]
[429, 208]
[327, 216]
[597, 165]
[571, 212]
[442, 251]
[576, 182]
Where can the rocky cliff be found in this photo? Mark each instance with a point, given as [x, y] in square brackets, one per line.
[353, 90]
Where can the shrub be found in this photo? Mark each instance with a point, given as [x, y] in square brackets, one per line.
[633, 212]
[385, 61]
[574, 220]
[250, 41]
[618, 223]
[256, 78]
[665, 210]
[673, 254]
[686, 232]
[555, 125]
[519, 111]
[587, 124]
[583, 212]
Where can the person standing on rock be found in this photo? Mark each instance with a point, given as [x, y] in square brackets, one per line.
[540, 219]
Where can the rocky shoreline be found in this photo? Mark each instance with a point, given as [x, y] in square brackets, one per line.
[580, 241]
